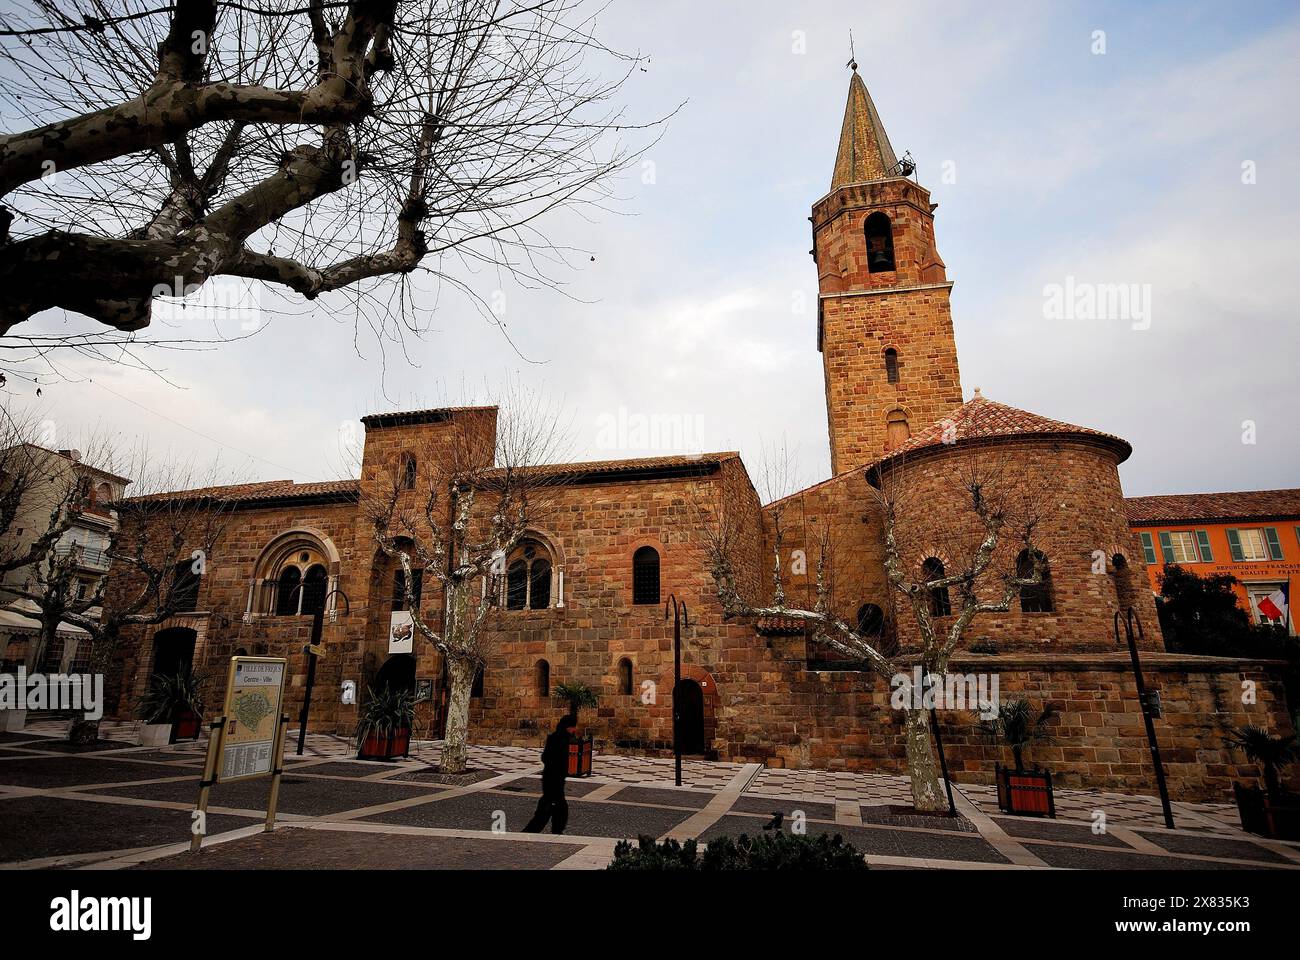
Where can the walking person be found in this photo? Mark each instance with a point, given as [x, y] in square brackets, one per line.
[555, 768]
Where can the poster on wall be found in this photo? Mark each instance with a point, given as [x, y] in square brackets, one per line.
[401, 632]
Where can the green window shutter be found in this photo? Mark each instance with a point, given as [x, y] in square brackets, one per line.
[1234, 545]
[1274, 544]
[1166, 547]
[1149, 547]
[1203, 543]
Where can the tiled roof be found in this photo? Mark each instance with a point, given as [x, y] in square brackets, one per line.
[629, 465]
[779, 626]
[562, 472]
[1192, 507]
[251, 492]
[409, 417]
[982, 419]
[864, 153]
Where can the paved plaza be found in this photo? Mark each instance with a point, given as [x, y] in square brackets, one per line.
[121, 806]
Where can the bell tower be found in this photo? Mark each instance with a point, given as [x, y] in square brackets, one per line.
[884, 324]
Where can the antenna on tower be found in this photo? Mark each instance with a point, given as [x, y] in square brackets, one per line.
[853, 57]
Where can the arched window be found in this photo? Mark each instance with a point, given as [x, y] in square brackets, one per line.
[528, 578]
[625, 677]
[314, 587]
[408, 471]
[542, 678]
[940, 603]
[871, 620]
[891, 365]
[880, 243]
[1038, 597]
[896, 428]
[645, 575]
[286, 600]
[104, 494]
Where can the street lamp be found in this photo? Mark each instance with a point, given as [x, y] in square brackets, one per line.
[680, 616]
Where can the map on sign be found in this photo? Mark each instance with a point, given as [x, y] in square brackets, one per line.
[253, 696]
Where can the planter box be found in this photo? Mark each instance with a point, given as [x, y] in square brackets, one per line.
[187, 726]
[13, 721]
[1261, 816]
[155, 734]
[580, 753]
[378, 746]
[1026, 793]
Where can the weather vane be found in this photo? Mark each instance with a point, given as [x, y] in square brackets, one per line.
[853, 57]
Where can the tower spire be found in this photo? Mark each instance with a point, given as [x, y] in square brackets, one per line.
[864, 153]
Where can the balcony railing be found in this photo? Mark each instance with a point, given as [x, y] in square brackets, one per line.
[90, 557]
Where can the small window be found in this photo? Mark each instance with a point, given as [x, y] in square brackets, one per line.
[871, 620]
[408, 471]
[896, 428]
[891, 365]
[528, 578]
[542, 678]
[185, 587]
[880, 243]
[625, 677]
[645, 575]
[517, 585]
[476, 689]
[103, 493]
[1036, 598]
[940, 601]
[539, 584]
[399, 587]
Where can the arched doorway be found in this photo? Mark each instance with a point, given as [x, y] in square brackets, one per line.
[397, 673]
[173, 651]
[688, 715]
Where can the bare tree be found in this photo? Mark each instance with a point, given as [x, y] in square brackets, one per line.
[470, 503]
[314, 145]
[160, 546]
[989, 511]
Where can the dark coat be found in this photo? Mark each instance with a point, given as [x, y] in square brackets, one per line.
[555, 762]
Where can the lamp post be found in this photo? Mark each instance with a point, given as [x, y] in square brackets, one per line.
[314, 652]
[680, 616]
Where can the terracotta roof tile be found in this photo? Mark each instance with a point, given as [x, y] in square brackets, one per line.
[982, 419]
[1198, 507]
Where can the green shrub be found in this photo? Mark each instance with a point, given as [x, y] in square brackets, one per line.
[767, 851]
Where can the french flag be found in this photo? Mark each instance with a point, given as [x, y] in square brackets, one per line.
[1274, 605]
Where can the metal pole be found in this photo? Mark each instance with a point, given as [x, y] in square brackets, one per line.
[317, 626]
[943, 764]
[1146, 710]
[277, 769]
[677, 685]
[215, 731]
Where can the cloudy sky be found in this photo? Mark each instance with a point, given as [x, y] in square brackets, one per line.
[1049, 161]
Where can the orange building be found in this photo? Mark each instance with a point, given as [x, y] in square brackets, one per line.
[1253, 536]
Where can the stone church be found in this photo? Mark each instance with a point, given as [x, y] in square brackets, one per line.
[584, 594]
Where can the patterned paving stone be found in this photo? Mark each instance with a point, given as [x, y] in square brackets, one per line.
[477, 811]
[770, 805]
[667, 798]
[336, 850]
[65, 772]
[1100, 858]
[32, 828]
[301, 795]
[1215, 847]
[1034, 829]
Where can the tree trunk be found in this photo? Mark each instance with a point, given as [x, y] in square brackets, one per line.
[454, 745]
[922, 765]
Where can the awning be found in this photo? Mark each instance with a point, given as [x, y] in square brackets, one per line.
[12, 622]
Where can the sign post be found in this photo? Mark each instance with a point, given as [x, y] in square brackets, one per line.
[247, 740]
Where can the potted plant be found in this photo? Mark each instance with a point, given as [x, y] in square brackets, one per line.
[578, 695]
[1272, 812]
[1017, 725]
[172, 709]
[384, 723]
